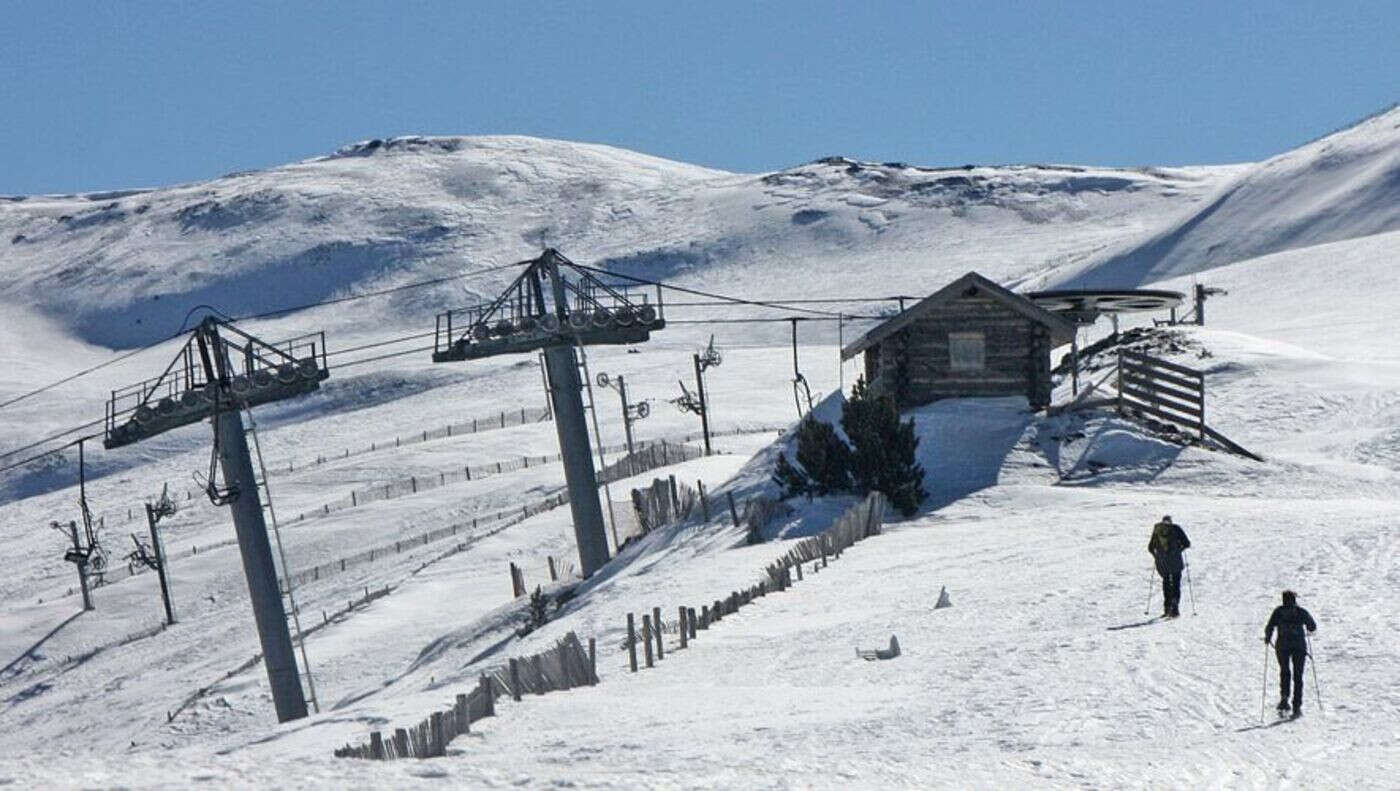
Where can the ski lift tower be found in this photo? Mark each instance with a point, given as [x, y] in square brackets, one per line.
[544, 309]
[202, 382]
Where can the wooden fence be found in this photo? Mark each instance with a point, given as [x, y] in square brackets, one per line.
[858, 523]
[653, 454]
[565, 666]
[658, 455]
[1162, 389]
[1153, 387]
[490, 422]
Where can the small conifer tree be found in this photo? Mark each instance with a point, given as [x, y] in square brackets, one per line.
[538, 613]
[823, 462]
[882, 456]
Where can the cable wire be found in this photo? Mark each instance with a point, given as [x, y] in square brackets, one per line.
[278, 312]
[707, 294]
[381, 292]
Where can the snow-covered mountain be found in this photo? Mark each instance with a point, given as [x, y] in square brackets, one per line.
[1343, 186]
[1045, 672]
[124, 268]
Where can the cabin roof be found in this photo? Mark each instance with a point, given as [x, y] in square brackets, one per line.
[1061, 330]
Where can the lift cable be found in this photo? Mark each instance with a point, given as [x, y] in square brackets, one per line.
[709, 294]
[267, 314]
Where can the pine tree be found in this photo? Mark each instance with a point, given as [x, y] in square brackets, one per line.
[793, 481]
[823, 462]
[882, 458]
[824, 456]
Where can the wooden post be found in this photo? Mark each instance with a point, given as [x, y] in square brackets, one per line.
[704, 616]
[401, 743]
[704, 501]
[685, 629]
[656, 624]
[488, 689]
[1074, 363]
[438, 743]
[690, 621]
[799, 572]
[376, 746]
[553, 574]
[1120, 381]
[646, 638]
[1201, 379]
[464, 715]
[514, 678]
[631, 642]
[593, 661]
[733, 512]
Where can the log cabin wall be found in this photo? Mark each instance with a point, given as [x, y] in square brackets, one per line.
[915, 367]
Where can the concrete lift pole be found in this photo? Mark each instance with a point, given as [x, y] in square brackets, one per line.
[256, 551]
[159, 554]
[566, 398]
[264, 590]
[570, 423]
[626, 413]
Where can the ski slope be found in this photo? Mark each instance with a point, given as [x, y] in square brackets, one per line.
[1343, 186]
[1044, 673]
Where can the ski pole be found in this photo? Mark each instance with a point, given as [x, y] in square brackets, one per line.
[1264, 691]
[1313, 661]
[1191, 587]
[1148, 610]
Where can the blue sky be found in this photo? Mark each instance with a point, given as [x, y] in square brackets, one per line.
[108, 95]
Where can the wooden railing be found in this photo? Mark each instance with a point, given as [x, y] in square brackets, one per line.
[1170, 392]
[1164, 390]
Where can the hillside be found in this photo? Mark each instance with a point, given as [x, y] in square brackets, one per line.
[1343, 186]
[1045, 672]
[123, 269]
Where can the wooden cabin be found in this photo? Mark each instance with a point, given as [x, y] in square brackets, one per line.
[971, 338]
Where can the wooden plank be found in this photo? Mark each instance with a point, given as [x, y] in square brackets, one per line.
[1167, 416]
[1155, 397]
[1230, 444]
[1156, 362]
[1142, 396]
[1196, 395]
[1162, 376]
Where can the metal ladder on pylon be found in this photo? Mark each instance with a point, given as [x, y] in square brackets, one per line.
[284, 580]
[597, 436]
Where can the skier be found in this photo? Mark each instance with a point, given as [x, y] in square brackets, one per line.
[1291, 649]
[1166, 545]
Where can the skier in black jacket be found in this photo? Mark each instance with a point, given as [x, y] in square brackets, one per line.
[1291, 649]
[1166, 545]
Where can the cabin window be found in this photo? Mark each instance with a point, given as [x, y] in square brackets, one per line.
[967, 351]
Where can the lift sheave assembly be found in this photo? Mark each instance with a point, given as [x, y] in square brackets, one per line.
[559, 307]
[219, 374]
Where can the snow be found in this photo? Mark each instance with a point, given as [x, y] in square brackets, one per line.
[1343, 186]
[1043, 674]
